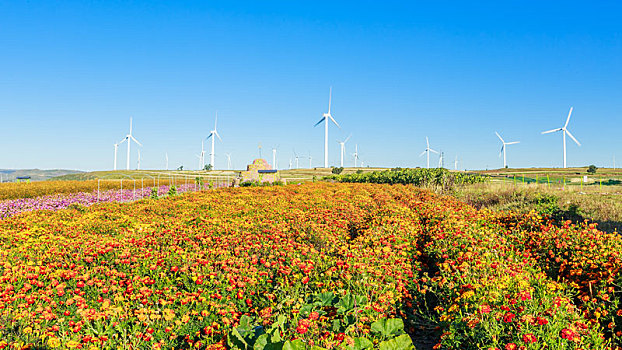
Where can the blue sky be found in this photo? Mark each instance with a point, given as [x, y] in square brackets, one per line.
[72, 73]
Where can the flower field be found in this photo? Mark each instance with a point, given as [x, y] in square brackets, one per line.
[344, 266]
[59, 201]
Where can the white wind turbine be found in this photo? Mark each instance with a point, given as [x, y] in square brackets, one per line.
[503, 148]
[296, 156]
[116, 147]
[564, 130]
[166, 158]
[129, 138]
[228, 161]
[202, 157]
[441, 159]
[138, 162]
[428, 150]
[343, 148]
[326, 117]
[356, 154]
[274, 157]
[456, 163]
[213, 134]
[310, 160]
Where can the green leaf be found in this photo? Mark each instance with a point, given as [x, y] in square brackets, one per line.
[362, 343]
[236, 340]
[345, 304]
[388, 327]
[403, 342]
[261, 342]
[294, 345]
[326, 298]
[361, 300]
[336, 325]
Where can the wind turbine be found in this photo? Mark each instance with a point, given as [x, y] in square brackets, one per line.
[228, 161]
[356, 154]
[213, 134]
[456, 163]
[166, 157]
[310, 160]
[428, 150]
[274, 157]
[116, 147]
[138, 162]
[564, 130]
[441, 159]
[343, 148]
[503, 148]
[326, 117]
[290, 163]
[129, 138]
[202, 157]
[296, 156]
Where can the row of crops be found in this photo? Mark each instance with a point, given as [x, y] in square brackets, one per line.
[315, 266]
[437, 177]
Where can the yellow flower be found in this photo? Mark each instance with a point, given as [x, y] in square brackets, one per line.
[27, 330]
[72, 344]
[53, 342]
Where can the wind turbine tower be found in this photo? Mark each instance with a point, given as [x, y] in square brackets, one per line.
[213, 134]
[565, 131]
[116, 147]
[428, 150]
[343, 148]
[503, 148]
[356, 154]
[166, 158]
[128, 138]
[326, 118]
[274, 158]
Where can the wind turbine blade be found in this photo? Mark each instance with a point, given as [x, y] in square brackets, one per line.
[330, 97]
[499, 136]
[568, 119]
[550, 131]
[512, 143]
[124, 139]
[320, 122]
[501, 151]
[216, 132]
[427, 141]
[433, 151]
[216, 121]
[210, 135]
[135, 140]
[347, 138]
[334, 121]
[422, 153]
[572, 137]
[130, 125]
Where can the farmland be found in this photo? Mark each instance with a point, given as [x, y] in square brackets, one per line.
[315, 265]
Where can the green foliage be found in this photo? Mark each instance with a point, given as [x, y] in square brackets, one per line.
[417, 177]
[154, 193]
[172, 191]
[260, 184]
[592, 169]
[337, 170]
[181, 167]
[199, 182]
[208, 167]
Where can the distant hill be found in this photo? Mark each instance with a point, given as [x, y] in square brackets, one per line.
[35, 174]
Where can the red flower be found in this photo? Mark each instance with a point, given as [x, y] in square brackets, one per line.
[80, 284]
[485, 309]
[314, 315]
[542, 321]
[301, 329]
[508, 317]
[529, 338]
[568, 334]
[305, 280]
[511, 346]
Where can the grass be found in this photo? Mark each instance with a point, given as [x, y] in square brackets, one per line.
[600, 205]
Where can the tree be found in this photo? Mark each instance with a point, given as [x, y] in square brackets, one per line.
[337, 170]
[592, 169]
[181, 167]
[208, 167]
